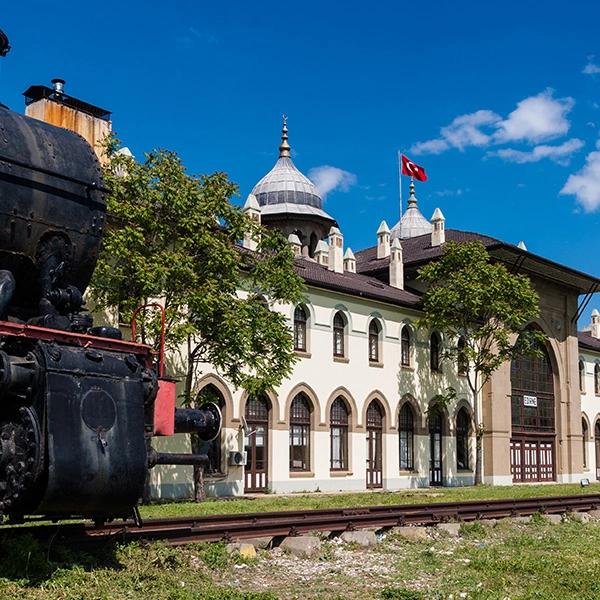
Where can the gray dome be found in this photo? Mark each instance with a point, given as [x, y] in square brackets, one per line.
[284, 183]
[284, 190]
[412, 223]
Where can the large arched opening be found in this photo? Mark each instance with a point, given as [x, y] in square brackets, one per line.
[533, 436]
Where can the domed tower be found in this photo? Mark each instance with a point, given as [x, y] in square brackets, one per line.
[290, 202]
[412, 223]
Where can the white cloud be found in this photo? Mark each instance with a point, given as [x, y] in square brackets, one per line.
[327, 178]
[559, 154]
[591, 69]
[585, 184]
[536, 119]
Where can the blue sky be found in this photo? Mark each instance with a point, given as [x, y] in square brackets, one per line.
[506, 97]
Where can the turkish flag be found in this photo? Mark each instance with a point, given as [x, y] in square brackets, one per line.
[413, 170]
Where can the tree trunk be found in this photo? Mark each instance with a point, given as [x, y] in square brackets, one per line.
[478, 442]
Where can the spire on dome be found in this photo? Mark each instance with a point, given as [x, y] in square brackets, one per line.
[412, 199]
[284, 147]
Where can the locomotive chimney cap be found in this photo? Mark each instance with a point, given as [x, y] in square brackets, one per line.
[58, 84]
[4, 45]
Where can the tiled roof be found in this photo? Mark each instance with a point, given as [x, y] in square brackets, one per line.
[353, 283]
[586, 340]
[418, 249]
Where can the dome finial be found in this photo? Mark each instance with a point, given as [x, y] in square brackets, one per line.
[284, 147]
[412, 199]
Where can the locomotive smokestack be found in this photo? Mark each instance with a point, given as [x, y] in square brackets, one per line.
[58, 85]
[4, 45]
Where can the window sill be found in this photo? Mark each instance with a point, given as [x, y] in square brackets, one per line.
[465, 471]
[215, 476]
[407, 472]
[407, 368]
[463, 375]
[302, 353]
[294, 474]
[341, 359]
[340, 473]
[436, 371]
[377, 365]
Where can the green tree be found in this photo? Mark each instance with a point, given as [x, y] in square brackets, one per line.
[174, 237]
[469, 297]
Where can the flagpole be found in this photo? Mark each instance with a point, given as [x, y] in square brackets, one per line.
[400, 180]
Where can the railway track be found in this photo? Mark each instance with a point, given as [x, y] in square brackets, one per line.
[184, 530]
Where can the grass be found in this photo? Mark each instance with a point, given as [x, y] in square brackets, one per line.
[518, 561]
[273, 502]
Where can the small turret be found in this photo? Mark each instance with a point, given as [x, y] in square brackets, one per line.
[396, 265]
[383, 240]
[438, 235]
[336, 250]
[252, 210]
[322, 253]
[595, 330]
[295, 243]
[349, 261]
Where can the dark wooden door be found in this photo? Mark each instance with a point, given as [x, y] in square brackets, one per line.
[597, 447]
[374, 446]
[532, 459]
[435, 449]
[256, 445]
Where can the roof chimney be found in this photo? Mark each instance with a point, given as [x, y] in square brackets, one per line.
[336, 250]
[438, 235]
[383, 240]
[349, 261]
[322, 253]
[396, 265]
[595, 331]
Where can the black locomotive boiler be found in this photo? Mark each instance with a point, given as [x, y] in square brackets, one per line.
[79, 406]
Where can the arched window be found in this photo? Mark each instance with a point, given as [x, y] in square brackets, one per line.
[213, 449]
[584, 431]
[339, 326]
[434, 352]
[596, 378]
[406, 429]
[300, 412]
[405, 347]
[300, 329]
[374, 331]
[581, 376]
[339, 435]
[462, 359]
[462, 439]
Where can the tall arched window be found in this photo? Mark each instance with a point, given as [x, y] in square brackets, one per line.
[581, 376]
[462, 359]
[584, 431]
[405, 347]
[339, 435]
[462, 439]
[406, 430]
[434, 352]
[300, 329]
[300, 413]
[374, 340]
[596, 378]
[339, 326]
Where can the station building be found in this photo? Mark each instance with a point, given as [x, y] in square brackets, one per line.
[358, 411]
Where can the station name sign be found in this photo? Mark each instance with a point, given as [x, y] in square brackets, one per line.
[530, 401]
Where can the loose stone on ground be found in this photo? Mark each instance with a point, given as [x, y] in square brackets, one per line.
[302, 546]
[362, 537]
[415, 534]
[452, 529]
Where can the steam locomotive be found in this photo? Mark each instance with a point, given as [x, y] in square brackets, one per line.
[79, 406]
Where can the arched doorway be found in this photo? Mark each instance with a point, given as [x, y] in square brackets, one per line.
[374, 445]
[597, 448]
[436, 430]
[256, 444]
[532, 452]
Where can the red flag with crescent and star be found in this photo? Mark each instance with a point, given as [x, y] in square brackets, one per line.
[412, 169]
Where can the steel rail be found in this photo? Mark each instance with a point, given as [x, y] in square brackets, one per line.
[182, 530]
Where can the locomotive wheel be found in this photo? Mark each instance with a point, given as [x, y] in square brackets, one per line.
[20, 457]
